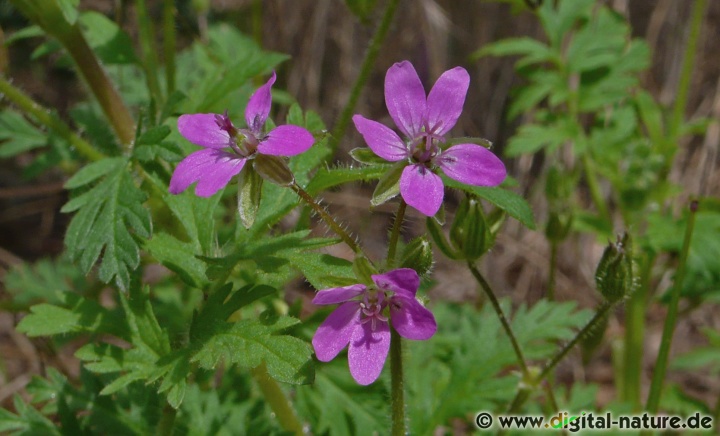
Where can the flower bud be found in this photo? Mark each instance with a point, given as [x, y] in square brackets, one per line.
[614, 274]
[418, 255]
[558, 226]
[469, 232]
[273, 169]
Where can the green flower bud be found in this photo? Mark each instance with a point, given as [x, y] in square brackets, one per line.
[418, 256]
[614, 274]
[248, 196]
[273, 169]
[558, 226]
[469, 232]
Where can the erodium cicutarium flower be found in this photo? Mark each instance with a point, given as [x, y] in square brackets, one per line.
[424, 122]
[361, 321]
[228, 149]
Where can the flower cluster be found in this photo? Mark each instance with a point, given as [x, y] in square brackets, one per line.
[361, 321]
[424, 122]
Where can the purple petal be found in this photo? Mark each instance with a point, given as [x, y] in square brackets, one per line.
[368, 351]
[335, 332]
[381, 139]
[338, 295]
[411, 319]
[258, 107]
[286, 140]
[404, 281]
[472, 164]
[202, 130]
[212, 169]
[421, 189]
[405, 98]
[446, 99]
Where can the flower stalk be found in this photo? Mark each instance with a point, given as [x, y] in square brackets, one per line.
[397, 384]
[329, 220]
[395, 234]
[277, 400]
[169, 43]
[661, 362]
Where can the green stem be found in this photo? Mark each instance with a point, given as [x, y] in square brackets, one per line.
[257, 24]
[553, 268]
[634, 334]
[684, 82]
[397, 384]
[167, 421]
[669, 328]
[329, 220]
[277, 400]
[395, 233]
[48, 119]
[147, 45]
[367, 65]
[169, 43]
[599, 315]
[594, 186]
[503, 320]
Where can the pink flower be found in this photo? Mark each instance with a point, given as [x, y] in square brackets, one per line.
[361, 321]
[227, 148]
[424, 122]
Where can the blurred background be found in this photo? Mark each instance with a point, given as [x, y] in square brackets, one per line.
[327, 42]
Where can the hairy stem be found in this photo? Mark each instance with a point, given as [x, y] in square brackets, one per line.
[599, 315]
[552, 268]
[503, 320]
[661, 362]
[684, 82]
[277, 400]
[367, 65]
[169, 43]
[395, 234]
[48, 119]
[147, 44]
[397, 384]
[167, 421]
[329, 220]
[634, 334]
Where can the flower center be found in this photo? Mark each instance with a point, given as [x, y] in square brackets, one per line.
[371, 309]
[242, 141]
[425, 147]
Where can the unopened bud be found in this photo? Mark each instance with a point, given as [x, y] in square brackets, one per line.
[273, 169]
[558, 226]
[469, 232]
[418, 256]
[614, 274]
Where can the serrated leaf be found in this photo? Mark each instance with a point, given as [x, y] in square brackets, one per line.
[533, 137]
[106, 215]
[533, 50]
[74, 314]
[179, 257]
[510, 202]
[324, 271]
[91, 172]
[17, 135]
[154, 135]
[327, 178]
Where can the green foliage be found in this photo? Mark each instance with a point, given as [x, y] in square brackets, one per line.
[508, 201]
[18, 135]
[46, 280]
[106, 215]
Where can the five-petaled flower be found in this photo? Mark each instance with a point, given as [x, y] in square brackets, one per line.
[424, 122]
[227, 149]
[361, 321]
